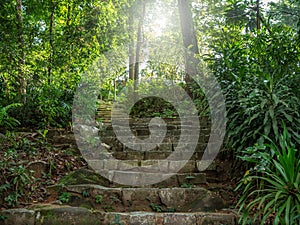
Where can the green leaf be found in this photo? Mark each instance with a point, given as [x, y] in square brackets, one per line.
[288, 117]
[275, 99]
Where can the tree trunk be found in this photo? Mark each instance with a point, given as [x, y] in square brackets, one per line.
[21, 52]
[51, 25]
[138, 48]
[68, 31]
[131, 47]
[189, 41]
[258, 15]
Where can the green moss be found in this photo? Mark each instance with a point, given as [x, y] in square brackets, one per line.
[83, 176]
[49, 214]
[36, 207]
[67, 216]
[85, 206]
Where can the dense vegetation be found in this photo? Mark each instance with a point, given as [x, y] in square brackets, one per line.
[251, 47]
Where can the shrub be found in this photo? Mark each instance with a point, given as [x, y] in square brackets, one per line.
[259, 73]
[271, 187]
[258, 109]
[6, 120]
[46, 106]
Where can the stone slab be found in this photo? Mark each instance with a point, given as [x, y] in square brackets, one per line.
[61, 215]
[18, 216]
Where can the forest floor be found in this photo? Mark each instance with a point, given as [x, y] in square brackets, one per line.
[31, 162]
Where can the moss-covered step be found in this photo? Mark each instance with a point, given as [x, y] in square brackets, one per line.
[81, 216]
[145, 199]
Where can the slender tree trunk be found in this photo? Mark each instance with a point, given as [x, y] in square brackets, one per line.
[138, 48]
[21, 50]
[189, 41]
[68, 33]
[51, 25]
[258, 15]
[115, 88]
[68, 20]
[131, 50]
[131, 47]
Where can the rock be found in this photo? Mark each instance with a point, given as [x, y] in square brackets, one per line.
[116, 219]
[209, 203]
[142, 218]
[17, 216]
[60, 215]
[217, 219]
[66, 215]
[181, 198]
[182, 218]
[190, 199]
[83, 176]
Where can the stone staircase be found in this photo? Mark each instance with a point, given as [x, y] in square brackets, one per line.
[164, 156]
[190, 196]
[104, 111]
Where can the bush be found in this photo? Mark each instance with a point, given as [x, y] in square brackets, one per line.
[258, 109]
[47, 106]
[271, 188]
[259, 73]
[6, 120]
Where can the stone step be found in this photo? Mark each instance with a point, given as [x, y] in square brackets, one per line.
[148, 179]
[145, 126]
[143, 166]
[104, 116]
[104, 107]
[164, 148]
[144, 199]
[56, 215]
[146, 132]
[168, 139]
[148, 155]
[171, 123]
[118, 178]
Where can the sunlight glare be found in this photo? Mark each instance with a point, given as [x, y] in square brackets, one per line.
[159, 25]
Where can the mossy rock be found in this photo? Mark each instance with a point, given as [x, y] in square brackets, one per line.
[84, 176]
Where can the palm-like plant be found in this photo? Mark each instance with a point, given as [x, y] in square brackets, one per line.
[278, 192]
